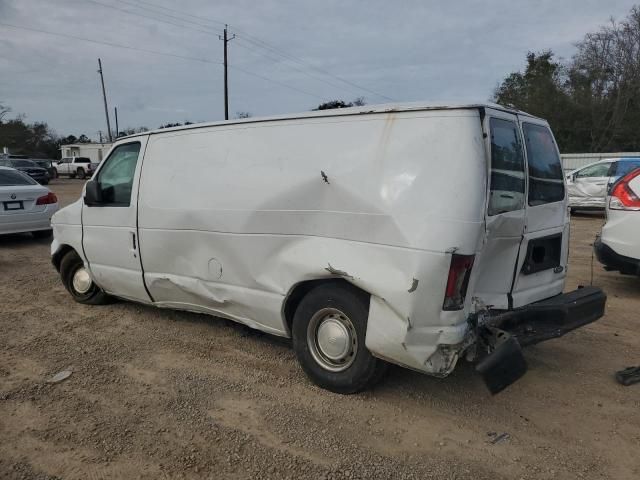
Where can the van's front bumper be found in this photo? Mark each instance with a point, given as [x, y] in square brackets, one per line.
[505, 332]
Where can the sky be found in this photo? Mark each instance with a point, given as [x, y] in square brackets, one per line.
[287, 56]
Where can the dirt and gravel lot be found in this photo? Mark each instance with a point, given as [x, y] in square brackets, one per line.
[162, 394]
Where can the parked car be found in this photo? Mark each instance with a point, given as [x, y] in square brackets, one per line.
[588, 186]
[618, 246]
[25, 206]
[80, 167]
[411, 234]
[48, 165]
[29, 167]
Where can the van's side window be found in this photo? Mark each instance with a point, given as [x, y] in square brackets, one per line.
[546, 183]
[116, 176]
[507, 168]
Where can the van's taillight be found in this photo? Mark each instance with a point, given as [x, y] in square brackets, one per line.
[622, 197]
[459, 273]
[47, 199]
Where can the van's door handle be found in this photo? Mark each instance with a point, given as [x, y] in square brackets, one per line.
[133, 241]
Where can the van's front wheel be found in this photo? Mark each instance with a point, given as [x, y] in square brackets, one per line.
[329, 329]
[79, 283]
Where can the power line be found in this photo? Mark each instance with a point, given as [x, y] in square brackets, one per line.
[358, 89]
[169, 16]
[110, 44]
[275, 81]
[259, 43]
[254, 40]
[211, 33]
[147, 17]
[279, 61]
[154, 52]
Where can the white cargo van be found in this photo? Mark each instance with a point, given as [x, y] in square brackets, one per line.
[412, 234]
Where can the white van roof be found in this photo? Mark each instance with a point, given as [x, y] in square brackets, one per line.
[334, 112]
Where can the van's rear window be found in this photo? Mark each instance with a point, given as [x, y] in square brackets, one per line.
[546, 184]
[507, 168]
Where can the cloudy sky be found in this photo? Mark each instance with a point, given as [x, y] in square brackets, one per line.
[288, 55]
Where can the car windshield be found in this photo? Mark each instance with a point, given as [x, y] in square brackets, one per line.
[13, 177]
[23, 163]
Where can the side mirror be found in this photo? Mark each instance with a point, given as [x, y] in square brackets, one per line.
[93, 193]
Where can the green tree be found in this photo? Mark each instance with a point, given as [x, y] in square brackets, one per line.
[591, 101]
[358, 102]
[541, 91]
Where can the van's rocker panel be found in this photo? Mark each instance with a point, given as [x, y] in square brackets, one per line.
[384, 201]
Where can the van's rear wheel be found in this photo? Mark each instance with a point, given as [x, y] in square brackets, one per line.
[329, 328]
[79, 283]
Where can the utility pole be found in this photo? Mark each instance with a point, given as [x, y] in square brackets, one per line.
[100, 133]
[104, 96]
[226, 40]
[117, 129]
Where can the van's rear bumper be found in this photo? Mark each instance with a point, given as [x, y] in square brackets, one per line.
[531, 324]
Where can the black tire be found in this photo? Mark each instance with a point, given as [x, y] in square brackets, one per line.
[361, 370]
[42, 233]
[72, 175]
[44, 182]
[81, 173]
[54, 173]
[70, 264]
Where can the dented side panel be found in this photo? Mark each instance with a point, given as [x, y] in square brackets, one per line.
[232, 218]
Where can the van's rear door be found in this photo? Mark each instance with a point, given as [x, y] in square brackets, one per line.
[542, 259]
[505, 214]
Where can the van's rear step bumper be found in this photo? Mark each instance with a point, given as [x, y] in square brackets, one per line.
[505, 332]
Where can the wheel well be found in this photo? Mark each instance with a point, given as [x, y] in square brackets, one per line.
[59, 255]
[298, 292]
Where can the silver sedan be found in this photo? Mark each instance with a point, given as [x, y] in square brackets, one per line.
[25, 206]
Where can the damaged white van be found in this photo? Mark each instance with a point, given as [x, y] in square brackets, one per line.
[413, 234]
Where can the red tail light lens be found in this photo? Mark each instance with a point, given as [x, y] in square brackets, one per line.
[457, 282]
[47, 199]
[622, 196]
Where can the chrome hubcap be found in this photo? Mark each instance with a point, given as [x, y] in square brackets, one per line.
[81, 280]
[332, 339]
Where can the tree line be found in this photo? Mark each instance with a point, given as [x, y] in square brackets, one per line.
[592, 101]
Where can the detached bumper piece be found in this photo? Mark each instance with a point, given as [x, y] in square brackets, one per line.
[614, 261]
[506, 332]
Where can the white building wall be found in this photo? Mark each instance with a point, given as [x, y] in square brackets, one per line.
[94, 151]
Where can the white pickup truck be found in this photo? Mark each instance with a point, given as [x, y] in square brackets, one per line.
[80, 167]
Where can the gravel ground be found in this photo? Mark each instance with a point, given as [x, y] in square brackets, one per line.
[162, 394]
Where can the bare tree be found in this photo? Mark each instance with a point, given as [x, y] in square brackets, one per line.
[607, 67]
[4, 111]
